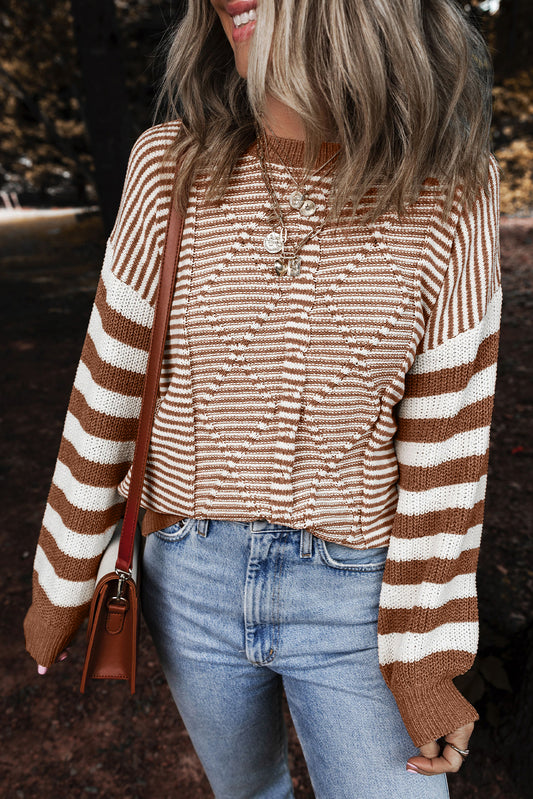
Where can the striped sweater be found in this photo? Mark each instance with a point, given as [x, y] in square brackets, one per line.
[354, 400]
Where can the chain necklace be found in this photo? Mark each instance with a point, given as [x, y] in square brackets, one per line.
[274, 242]
[299, 199]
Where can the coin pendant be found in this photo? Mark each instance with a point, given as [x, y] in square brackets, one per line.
[295, 265]
[296, 200]
[308, 208]
[273, 242]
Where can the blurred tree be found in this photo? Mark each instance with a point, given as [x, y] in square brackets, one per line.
[60, 140]
[41, 134]
[514, 37]
[54, 99]
[107, 117]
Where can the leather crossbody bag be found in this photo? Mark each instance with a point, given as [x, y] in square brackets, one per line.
[114, 615]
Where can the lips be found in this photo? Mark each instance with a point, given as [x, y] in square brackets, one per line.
[240, 7]
[243, 32]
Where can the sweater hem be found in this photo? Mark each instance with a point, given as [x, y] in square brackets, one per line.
[44, 642]
[431, 711]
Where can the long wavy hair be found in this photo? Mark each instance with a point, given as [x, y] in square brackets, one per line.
[403, 85]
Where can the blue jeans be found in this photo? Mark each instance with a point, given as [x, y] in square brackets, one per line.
[239, 610]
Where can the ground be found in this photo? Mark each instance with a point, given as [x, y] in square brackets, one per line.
[58, 743]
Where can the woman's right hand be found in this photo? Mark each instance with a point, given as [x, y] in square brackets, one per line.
[59, 659]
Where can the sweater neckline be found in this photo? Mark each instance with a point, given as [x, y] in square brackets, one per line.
[283, 150]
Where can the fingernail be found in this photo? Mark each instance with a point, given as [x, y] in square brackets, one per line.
[63, 657]
[412, 769]
[41, 669]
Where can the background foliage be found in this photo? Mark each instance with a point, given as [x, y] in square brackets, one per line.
[61, 63]
[46, 155]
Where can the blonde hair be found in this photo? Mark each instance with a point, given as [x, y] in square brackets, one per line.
[403, 85]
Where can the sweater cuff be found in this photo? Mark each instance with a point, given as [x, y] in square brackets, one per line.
[43, 641]
[431, 711]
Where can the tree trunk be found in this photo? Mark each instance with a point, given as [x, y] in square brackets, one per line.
[106, 114]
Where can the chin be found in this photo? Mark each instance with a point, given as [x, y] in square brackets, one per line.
[241, 67]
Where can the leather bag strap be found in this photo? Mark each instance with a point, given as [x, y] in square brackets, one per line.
[165, 293]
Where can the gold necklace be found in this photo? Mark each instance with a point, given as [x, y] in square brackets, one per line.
[274, 242]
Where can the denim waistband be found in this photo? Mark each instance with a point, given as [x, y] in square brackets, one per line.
[264, 526]
[257, 526]
[201, 527]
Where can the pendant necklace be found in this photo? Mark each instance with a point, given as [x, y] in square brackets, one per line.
[299, 199]
[274, 242]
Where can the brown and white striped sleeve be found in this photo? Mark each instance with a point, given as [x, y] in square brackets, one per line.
[98, 438]
[428, 618]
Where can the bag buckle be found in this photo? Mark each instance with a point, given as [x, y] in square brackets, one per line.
[123, 578]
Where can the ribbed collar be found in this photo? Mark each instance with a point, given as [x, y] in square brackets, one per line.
[291, 151]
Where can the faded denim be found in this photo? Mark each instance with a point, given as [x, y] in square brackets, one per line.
[236, 611]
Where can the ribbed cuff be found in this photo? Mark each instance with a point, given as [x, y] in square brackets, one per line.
[431, 711]
[43, 641]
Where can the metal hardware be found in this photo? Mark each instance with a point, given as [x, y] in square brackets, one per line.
[123, 578]
[299, 199]
[296, 200]
[308, 208]
[274, 242]
[288, 265]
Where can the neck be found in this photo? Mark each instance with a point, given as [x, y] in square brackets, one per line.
[282, 120]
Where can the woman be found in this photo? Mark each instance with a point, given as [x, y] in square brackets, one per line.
[315, 484]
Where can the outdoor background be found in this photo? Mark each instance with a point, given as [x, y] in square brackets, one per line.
[77, 82]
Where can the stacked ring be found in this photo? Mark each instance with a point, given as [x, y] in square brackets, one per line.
[463, 752]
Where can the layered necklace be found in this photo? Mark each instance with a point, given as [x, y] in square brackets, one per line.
[275, 242]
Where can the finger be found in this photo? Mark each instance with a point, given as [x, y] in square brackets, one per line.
[440, 765]
[437, 765]
[461, 736]
[427, 751]
[432, 761]
[449, 761]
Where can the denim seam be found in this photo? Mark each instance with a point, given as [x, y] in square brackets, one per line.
[181, 533]
[332, 563]
[278, 724]
[276, 591]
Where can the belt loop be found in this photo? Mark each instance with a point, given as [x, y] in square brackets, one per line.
[306, 544]
[203, 527]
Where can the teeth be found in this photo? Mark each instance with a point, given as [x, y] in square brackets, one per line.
[242, 19]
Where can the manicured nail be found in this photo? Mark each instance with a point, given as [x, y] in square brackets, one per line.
[41, 669]
[413, 769]
[64, 656]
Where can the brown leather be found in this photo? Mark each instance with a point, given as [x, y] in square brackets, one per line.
[116, 615]
[113, 626]
[165, 293]
[112, 647]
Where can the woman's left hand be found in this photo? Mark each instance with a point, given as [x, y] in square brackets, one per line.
[431, 761]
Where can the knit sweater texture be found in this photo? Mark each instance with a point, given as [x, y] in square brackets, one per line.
[353, 400]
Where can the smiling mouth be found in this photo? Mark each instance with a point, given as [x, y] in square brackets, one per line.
[240, 20]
